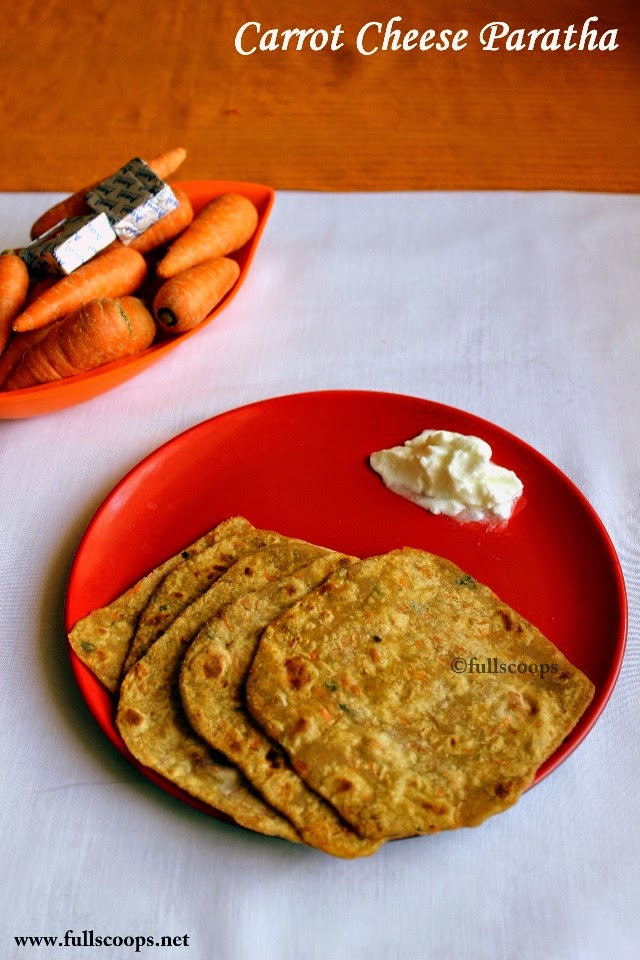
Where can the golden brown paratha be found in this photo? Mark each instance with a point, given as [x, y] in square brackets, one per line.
[188, 581]
[150, 717]
[102, 639]
[356, 683]
[212, 691]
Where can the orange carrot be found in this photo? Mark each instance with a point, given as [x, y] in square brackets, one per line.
[115, 272]
[222, 226]
[100, 331]
[75, 205]
[39, 285]
[14, 286]
[164, 164]
[72, 206]
[168, 227]
[17, 347]
[186, 299]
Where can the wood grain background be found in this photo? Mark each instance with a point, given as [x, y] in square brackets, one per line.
[86, 85]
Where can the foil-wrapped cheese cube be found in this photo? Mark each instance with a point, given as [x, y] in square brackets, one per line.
[133, 198]
[68, 245]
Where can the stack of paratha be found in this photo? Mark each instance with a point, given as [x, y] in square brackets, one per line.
[309, 695]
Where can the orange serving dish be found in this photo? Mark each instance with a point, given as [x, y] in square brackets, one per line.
[49, 397]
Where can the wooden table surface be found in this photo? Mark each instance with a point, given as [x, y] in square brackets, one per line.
[86, 85]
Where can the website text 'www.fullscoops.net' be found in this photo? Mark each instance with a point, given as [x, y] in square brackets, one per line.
[87, 938]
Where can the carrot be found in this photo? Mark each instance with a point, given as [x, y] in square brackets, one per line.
[100, 331]
[16, 349]
[186, 299]
[39, 285]
[222, 226]
[14, 286]
[115, 272]
[168, 227]
[72, 206]
[164, 164]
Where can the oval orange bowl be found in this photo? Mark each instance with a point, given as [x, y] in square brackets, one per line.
[50, 397]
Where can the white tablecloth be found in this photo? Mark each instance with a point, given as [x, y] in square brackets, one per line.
[520, 308]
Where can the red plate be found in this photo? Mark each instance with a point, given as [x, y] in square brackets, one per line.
[299, 464]
[49, 397]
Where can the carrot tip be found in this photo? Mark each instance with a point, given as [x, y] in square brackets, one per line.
[167, 317]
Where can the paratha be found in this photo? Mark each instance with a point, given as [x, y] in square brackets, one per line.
[356, 684]
[102, 639]
[212, 692]
[150, 717]
[187, 582]
[318, 702]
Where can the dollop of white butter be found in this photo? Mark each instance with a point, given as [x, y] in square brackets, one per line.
[449, 473]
